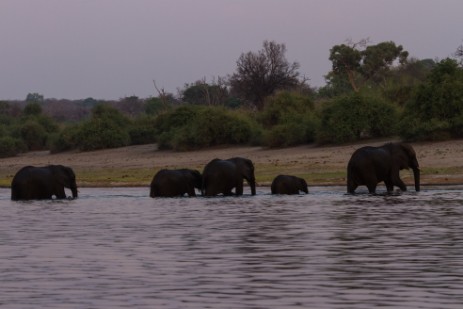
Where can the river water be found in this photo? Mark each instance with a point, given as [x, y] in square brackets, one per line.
[118, 248]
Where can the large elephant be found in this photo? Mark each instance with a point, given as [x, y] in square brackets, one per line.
[170, 183]
[371, 165]
[287, 184]
[35, 183]
[221, 176]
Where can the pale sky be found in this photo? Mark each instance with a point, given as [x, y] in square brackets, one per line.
[110, 49]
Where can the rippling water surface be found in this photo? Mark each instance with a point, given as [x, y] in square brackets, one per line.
[118, 248]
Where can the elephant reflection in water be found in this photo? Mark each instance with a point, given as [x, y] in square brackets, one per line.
[35, 183]
[371, 165]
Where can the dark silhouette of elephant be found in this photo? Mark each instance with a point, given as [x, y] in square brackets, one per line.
[37, 183]
[287, 184]
[221, 176]
[170, 183]
[371, 165]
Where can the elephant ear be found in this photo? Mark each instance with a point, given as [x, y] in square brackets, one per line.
[408, 149]
[410, 154]
[62, 174]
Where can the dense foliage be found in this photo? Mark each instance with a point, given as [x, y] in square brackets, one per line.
[372, 91]
[289, 119]
[356, 116]
[436, 108]
[190, 127]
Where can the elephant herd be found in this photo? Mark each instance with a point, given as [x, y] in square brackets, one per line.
[368, 166]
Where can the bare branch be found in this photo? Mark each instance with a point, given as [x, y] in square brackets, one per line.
[162, 94]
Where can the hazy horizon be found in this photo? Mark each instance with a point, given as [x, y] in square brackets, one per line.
[110, 49]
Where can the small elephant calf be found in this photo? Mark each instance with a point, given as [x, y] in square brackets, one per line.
[287, 184]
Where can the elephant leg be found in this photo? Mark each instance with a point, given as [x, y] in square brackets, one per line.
[60, 194]
[402, 185]
[351, 186]
[239, 188]
[371, 188]
[399, 183]
[210, 191]
[389, 186]
[191, 191]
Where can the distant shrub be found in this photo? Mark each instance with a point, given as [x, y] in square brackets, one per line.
[192, 127]
[435, 111]
[288, 119]
[65, 140]
[108, 128]
[33, 108]
[34, 135]
[288, 134]
[10, 147]
[356, 116]
[143, 131]
[100, 134]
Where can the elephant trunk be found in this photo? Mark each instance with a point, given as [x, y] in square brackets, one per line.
[416, 175]
[252, 184]
[74, 191]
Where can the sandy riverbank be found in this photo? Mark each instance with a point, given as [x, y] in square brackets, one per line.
[441, 162]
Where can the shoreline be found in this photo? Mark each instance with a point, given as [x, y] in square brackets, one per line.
[441, 163]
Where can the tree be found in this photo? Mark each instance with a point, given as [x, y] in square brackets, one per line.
[436, 109]
[34, 98]
[459, 53]
[346, 62]
[131, 105]
[207, 94]
[261, 74]
[355, 116]
[370, 64]
[32, 109]
[108, 128]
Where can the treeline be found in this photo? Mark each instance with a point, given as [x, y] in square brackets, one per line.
[372, 91]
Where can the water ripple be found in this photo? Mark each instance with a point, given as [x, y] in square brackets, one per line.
[118, 248]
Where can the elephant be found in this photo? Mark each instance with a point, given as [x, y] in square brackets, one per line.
[37, 183]
[287, 184]
[221, 176]
[371, 165]
[170, 183]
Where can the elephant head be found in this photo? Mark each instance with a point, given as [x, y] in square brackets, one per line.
[245, 168]
[406, 158]
[65, 177]
[303, 185]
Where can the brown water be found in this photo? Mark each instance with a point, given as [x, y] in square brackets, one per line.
[118, 248]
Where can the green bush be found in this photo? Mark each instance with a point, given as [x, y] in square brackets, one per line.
[34, 135]
[288, 119]
[192, 127]
[143, 131]
[412, 129]
[435, 111]
[356, 116]
[107, 128]
[65, 140]
[100, 134]
[10, 147]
